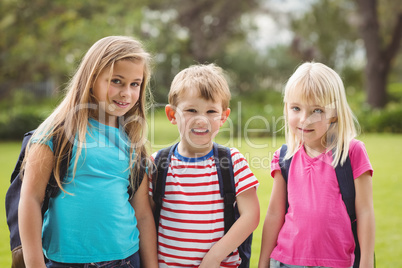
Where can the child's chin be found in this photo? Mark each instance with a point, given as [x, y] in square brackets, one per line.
[201, 144]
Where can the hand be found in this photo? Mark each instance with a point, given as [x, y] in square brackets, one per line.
[209, 262]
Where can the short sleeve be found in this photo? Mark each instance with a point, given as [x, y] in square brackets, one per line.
[48, 142]
[244, 177]
[275, 162]
[359, 159]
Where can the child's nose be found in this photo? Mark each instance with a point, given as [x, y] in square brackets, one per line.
[201, 120]
[125, 91]
[304, 118]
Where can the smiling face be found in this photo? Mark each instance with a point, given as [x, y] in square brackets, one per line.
[118, 90]
[309, 122]
[198, 121]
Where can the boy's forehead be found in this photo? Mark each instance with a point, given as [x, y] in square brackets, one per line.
[194, 95]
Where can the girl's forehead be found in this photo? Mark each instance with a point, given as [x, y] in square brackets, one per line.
[306, 96]
[298, 97]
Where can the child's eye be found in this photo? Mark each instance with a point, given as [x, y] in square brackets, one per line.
[295, 108]
[135, 84]
[116, 81]
[318, 111]
[211, 111]
[191, 110]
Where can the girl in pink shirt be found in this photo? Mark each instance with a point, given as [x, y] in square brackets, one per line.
[315, 230]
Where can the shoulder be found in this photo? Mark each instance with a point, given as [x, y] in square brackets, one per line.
[41, 138]
[243, 175]
[357, 148]
[238, 159]
[157, 153]
[153, 156]
[237, 156]
[359, 158]
[275, 162]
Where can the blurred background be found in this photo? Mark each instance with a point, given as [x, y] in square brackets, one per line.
[259, 43]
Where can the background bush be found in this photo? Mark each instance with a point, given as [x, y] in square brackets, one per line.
[23, 112]
[256, 113]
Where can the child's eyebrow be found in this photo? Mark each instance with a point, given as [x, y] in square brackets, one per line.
[122, 77]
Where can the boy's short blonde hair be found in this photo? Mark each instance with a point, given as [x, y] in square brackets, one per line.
[209, 80]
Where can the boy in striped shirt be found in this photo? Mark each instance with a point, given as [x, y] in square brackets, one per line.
[191, 224]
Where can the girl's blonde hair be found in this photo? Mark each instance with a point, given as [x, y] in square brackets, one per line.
[208, 80]
[68, 122]
[316, 83]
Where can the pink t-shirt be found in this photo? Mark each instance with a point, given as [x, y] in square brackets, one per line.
[317, 229]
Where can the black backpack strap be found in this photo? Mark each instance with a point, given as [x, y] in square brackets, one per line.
[285, 165]
[132, 189]
[13, 196]
[224, 168]
[344, 174]
[17, 168]
[162, 162]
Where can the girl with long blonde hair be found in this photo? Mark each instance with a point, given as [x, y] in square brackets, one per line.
[102, 206]
[315, 230]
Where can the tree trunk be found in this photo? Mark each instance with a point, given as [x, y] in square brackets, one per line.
[378, 59]
[376, 85]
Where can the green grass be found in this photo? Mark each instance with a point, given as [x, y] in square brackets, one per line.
[383, 151]
[8, 157]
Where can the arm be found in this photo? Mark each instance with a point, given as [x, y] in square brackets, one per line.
[37, 173]
[249, 210]
[146, 225]
[274, 219]
[365, 218]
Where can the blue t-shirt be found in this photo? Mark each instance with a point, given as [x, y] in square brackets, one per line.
[96, 223]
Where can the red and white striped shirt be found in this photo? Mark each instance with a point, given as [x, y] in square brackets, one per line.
[191, 219]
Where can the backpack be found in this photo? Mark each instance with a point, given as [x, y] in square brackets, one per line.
[224, 167]
[13, 198]
[344, 175]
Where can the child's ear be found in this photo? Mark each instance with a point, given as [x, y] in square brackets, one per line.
[171, 114]
[225, 115]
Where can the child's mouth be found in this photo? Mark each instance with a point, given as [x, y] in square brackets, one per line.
[199, 131]
[121, 104]
[305, 130]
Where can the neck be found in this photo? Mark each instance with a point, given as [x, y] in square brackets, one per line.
[193, 152]
[314, 151]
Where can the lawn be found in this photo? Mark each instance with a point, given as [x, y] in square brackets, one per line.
[383, 150]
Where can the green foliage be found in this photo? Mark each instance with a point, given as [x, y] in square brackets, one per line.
[18, 124]
[386, 120]
[326, 33]
[22, 112]
[46, 39]
[257, 113]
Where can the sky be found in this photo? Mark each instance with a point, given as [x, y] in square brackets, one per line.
[273, 22]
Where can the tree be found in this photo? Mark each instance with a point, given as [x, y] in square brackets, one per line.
[210, 24]
[45, 40]
[324, 33]
[333, 29]
[380, 53]
[191, 32]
